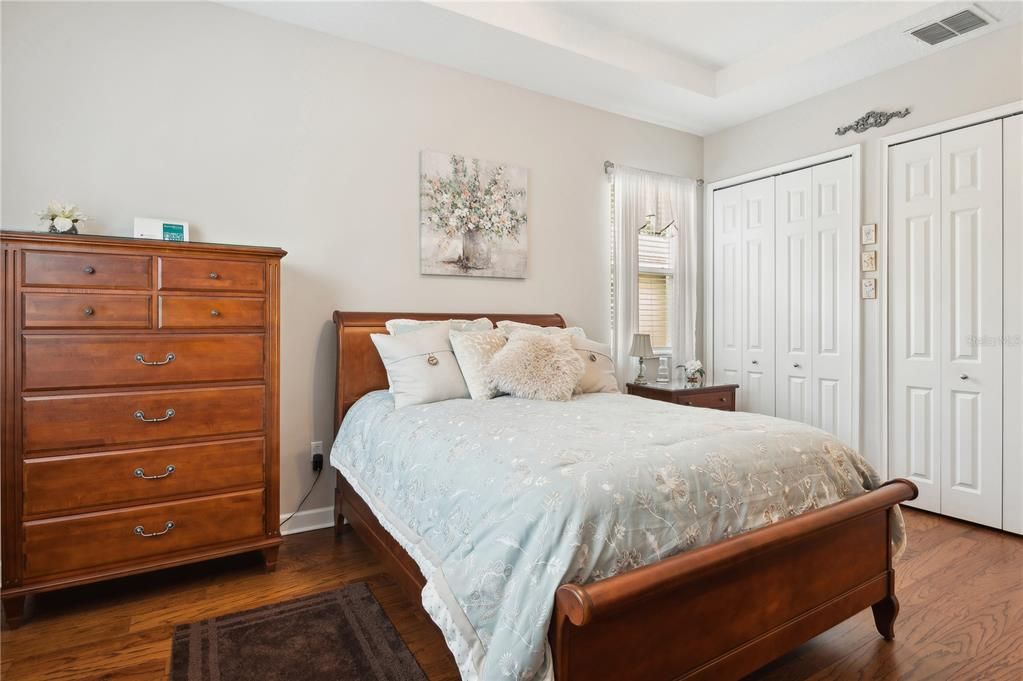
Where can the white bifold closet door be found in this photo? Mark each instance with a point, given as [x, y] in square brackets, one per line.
[946, 320]
[1012, 304]
[815, 237]
[727, 288]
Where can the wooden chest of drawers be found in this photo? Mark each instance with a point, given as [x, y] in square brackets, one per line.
[140, 407]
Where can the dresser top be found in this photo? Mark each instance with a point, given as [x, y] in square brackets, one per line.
[86, 240]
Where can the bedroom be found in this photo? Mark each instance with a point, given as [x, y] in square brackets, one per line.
[300, 149]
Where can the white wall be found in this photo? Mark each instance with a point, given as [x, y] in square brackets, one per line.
[261, 133]
[976, 75]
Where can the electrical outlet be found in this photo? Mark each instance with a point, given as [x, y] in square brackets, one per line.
[315, 448]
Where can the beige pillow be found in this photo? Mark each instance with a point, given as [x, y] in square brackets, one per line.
[399, 326]
[510, 327]
[599, 373]
[474, 350]
[421, 366]
[536, 367]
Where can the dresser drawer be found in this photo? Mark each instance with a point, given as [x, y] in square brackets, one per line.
[713, 400]
[98, 361]
[193, 312]
[197, 274]
[117, 537]
[85, 310]
[73, 483]
[85, 270]
[100, 420]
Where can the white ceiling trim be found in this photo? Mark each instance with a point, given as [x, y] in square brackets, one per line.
[538, 47]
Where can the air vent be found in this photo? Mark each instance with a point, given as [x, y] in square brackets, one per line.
[949, 27]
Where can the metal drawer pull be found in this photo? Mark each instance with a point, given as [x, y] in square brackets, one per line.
[141, 359]
[963, 377]
[141, 473]
[141, 416]
[141, 531]
[214, 275]
[89, 269]
[214, 313]
[88, 311]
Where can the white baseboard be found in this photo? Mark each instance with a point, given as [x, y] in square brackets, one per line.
[309, 519]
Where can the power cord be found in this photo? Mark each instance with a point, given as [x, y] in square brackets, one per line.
[315, 480]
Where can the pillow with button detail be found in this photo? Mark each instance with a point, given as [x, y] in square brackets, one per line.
[536, 367]
[421, 366]
[474, 350]
[599, 369]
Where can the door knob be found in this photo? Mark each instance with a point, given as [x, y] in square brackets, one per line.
[963, 377]
[795, 365]
[756, 361]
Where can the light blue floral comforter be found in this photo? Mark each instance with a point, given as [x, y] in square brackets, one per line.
[502, 501]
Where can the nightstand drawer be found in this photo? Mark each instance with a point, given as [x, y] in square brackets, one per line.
[714, 400]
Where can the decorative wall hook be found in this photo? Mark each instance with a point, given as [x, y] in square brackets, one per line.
[871, 119]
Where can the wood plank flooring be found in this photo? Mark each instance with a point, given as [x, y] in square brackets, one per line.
[961, 588]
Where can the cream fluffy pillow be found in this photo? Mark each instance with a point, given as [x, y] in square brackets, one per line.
[421, 366]
[599, 373]
[537, 367]
[474, 350]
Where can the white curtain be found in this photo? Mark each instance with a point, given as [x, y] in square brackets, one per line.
[636, 194]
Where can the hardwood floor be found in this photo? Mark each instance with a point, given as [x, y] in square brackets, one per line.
[961, 589]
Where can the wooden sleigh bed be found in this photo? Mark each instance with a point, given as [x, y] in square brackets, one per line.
[714, 613]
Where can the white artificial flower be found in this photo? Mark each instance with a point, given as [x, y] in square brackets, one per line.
[61, 222]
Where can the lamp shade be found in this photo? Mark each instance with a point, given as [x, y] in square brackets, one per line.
[641, 345]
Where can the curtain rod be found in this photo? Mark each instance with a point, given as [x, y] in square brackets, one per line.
[609, 168]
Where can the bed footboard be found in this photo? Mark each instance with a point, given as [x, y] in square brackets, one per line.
[724, 610]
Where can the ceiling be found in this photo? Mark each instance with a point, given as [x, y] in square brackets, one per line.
[699, 67]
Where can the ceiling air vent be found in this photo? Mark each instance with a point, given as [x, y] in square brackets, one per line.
[949, 27]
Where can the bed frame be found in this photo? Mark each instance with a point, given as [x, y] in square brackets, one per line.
[715, 613]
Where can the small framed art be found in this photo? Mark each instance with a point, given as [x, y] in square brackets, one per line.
[868, 289]
[165, 230]
[868, 235]
[868, 261]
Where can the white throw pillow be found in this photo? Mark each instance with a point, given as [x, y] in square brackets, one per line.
[474, 350]
[537, 367]
[599, 373]
[399, 326]
[421, 366]
[510, 327]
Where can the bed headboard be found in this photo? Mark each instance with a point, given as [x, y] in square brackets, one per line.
[359, 369]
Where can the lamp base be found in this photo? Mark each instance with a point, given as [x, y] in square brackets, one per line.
[641, 376]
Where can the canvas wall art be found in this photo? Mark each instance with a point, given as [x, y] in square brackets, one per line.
[472, 217]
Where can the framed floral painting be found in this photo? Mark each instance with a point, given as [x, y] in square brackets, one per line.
[472, 217]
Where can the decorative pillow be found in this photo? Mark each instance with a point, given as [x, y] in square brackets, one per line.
[599, 373]
[510, 327]
[399, 326]
[537, 367]
[421, 366]
[474, 350]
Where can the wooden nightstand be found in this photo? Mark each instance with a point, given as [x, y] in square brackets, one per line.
[710, 397]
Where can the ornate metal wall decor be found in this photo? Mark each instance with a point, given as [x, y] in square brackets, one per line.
[872, 119]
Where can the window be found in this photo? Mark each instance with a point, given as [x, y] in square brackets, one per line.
[656, 269]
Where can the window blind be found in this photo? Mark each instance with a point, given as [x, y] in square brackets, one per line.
[655, 271]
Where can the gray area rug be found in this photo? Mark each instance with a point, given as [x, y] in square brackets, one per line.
[340, 635]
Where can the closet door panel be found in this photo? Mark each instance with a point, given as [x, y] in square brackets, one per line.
[757, 240]
[833, 238]
[971, 325]
[727, 285]
[793, 243]
[1012, 305]
[915, 316]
